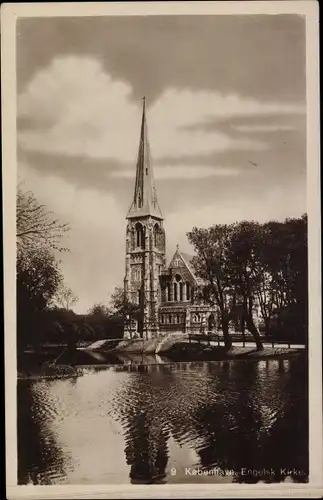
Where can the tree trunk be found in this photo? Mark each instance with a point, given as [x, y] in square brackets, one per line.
[226, 335]
[243, 325]
[267, 325]
[243, 329]
[254, 332]
[248, 304]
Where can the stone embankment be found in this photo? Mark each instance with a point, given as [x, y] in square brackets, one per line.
[136, 346]
[177, 348]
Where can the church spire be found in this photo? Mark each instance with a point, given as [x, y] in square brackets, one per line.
[145, 197]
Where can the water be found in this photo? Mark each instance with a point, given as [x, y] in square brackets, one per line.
[231, 421]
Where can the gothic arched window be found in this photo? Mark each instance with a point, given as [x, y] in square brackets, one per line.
[175, 292]
[133, 239]
[168, 293]
[169, 318]
[140, 236]
[161, 238]
[181, 291]
[156, 235]
[188, 291]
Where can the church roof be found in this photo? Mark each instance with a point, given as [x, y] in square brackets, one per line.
[145, 196]
[186, 259]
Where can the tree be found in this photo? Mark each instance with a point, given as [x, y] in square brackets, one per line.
[38, 278]
[103, 322]
[247, 270]
[65, 297]
[286, 262]
[212, 264]
[37, 227]
[228, 262]
[38, 275]
[248, 265]
[99, 311]
[121, 306]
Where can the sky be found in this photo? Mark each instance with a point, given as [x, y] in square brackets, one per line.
[226, 115]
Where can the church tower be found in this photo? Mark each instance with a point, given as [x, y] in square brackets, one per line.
[145, 242]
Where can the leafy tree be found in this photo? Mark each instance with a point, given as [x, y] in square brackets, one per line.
[121, 305]
[38, 275]
[128, 310]
[38, 278]
[99, 311]
[212, 264]
[286, 261]
[104, 323]
[247, 270]
[226, 262]
[247, 265]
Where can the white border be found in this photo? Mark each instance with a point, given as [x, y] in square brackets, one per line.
[10, 12]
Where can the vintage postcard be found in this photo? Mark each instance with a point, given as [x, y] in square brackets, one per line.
[162, 273]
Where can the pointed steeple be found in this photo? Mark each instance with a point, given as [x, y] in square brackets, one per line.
[145, 197]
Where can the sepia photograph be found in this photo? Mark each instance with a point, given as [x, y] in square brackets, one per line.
[162, 302]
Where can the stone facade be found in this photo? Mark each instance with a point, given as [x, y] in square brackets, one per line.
[145, 261]
[180, 309]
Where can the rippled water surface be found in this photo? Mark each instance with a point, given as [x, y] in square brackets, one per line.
[184, 422]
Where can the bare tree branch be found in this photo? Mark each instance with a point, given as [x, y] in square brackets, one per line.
[37, 227]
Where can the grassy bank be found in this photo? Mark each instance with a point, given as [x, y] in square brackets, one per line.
[186, 351]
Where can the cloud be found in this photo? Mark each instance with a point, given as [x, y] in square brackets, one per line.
[261, 56]
[96, 239]
[275, 203]
[79, 133]
[181, 172]
[263, 128]
[84, 109]
[73, 107]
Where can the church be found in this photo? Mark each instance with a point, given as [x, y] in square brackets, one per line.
[167, 294]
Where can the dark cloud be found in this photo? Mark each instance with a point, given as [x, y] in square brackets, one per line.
[262, 56]
[283, 159]
[284, 154]
[81, 171]
[228, 125]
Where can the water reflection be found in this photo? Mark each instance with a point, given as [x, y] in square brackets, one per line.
[136, 423]
[41, 459]
[146, 448]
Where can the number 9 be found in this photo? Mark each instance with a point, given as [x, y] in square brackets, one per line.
[173, 471]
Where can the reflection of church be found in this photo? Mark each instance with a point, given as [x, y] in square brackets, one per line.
[167, 294]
